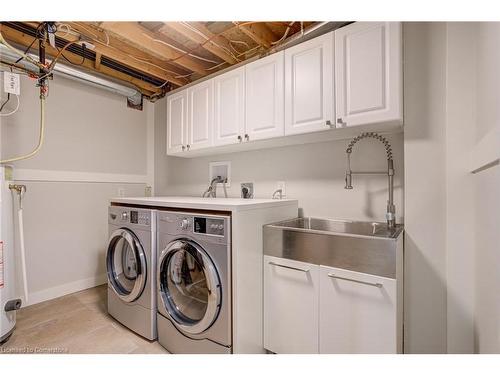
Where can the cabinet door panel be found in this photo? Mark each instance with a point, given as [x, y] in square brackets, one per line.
[229, 107]
[176, 122]
[290, 306]
[309, 86]
[200, 118]
[368, 73]
[356, 316]
[265, 97]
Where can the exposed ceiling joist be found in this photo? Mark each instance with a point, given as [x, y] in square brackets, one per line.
[199, 33]
[125, 58]
[18, 37]
[143, 39]
[259, 32]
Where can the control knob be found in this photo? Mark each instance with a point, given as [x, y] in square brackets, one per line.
[124, 215]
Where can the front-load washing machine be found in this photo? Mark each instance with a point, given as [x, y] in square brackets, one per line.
[131, 268]
[194, 282]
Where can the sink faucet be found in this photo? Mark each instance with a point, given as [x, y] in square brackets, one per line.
[212, 188]
[391, 209]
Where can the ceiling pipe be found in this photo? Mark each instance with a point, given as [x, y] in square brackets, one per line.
[133, 95]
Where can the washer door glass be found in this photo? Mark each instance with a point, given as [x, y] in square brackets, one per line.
[189, 286]
[126, 265]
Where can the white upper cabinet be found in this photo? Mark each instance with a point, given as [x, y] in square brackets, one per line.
[177, 122]
[309, 103]
[357, 313]
[265, 98]
[368, 73]
[200, 115]
[229, 107]
[291, 291]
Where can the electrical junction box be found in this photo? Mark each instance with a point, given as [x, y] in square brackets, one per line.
[11, 83]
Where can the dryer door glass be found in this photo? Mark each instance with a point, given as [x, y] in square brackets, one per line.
[126, 265]
[190, 286]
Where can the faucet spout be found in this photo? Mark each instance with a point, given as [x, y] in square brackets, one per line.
[390, 214]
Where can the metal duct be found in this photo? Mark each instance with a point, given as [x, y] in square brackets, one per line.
[133, 95]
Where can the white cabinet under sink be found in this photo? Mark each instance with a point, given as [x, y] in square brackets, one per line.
[229, 107]
[309, 82]
[357, 313]
[264, 99]
[369, 73]
[291, 291]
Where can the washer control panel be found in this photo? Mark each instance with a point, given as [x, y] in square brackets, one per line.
[138, 217]
[208, 225]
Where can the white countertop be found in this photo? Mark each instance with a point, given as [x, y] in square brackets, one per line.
[215, 204]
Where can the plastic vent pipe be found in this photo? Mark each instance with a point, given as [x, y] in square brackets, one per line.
[133, 95]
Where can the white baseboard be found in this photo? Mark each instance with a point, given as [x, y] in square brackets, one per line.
[23, 174]
[62, 290]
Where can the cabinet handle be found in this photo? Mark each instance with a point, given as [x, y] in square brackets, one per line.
[291, 268]
[378, 285]
[247, 137]
[341, 122]
[239, 138]
[183, 147]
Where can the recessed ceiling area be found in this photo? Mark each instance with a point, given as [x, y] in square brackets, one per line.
[157, 57]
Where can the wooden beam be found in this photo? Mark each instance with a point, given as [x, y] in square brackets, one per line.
[97, 64]
[18, 37]
[259, 32]
[149, 42]
[116, 54]
[199, 33]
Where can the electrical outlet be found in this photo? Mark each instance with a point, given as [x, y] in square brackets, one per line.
[11, 83]
[247, 190]
[281, 185]
[148, 191]
[121, 192]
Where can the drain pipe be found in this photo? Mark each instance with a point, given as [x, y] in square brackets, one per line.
[133, 95]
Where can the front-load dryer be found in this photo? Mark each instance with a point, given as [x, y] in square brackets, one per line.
[194, 282]
[131, 268]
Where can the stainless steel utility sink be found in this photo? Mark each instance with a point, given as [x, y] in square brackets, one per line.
[368, 247]
[361, 228]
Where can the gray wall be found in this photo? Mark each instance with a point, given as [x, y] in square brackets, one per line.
[425, 195]
[90, 134]
[452, 89]
[486, 192]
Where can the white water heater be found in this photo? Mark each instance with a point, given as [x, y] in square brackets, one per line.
[8, 293]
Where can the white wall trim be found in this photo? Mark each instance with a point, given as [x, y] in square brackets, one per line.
[21, 174]
[62, 290]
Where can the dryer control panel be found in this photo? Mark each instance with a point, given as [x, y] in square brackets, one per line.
[209, 225]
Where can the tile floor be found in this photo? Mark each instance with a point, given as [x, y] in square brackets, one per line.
[76, 323]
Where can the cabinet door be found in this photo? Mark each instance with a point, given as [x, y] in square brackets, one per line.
[309, 86]
[291, 291]
[200, 115]
[265, 97]
[357, 312]
[368, 73]
[176, 122]
[229, 107]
